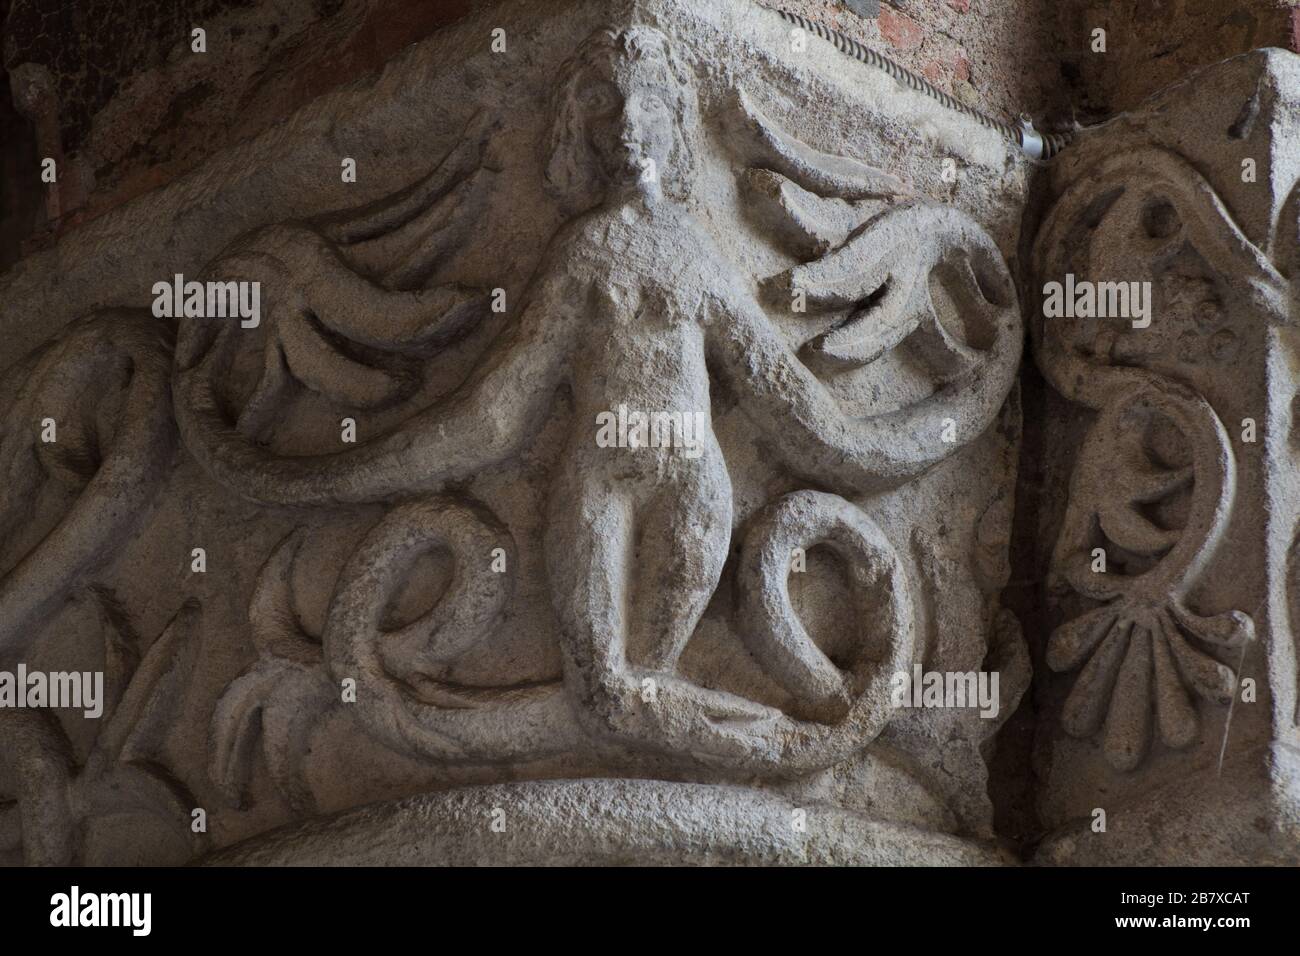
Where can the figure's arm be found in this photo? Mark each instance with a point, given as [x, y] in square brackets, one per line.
[812, 431]
[507, 399]
[485, 421]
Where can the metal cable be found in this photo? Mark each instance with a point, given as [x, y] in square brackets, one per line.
[1051, 143]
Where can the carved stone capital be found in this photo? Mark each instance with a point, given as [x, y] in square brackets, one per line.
[623, 462]
[1171, 433]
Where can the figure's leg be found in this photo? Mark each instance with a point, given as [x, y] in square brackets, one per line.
[684, 533]
[588, 533]
[590, 561]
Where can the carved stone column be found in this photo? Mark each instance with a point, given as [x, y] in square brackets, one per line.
[1171, 718]
[588, 478]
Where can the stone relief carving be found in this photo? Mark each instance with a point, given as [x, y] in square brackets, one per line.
[1155, 481]
[631, 301]
[120, 805]
[67, 501]
[627, 608]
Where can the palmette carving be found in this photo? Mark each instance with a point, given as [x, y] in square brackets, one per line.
[1137, 661]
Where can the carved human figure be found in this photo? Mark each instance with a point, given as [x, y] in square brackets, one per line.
[637, 536]
[634, 306]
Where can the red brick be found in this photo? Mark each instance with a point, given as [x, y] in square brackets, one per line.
[961, 68]
[902, 32]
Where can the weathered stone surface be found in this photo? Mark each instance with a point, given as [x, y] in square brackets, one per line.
[597, 467]
[1175, 712]
[493, 583]
[601, 822]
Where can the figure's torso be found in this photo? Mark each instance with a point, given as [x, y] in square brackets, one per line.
[649, 277]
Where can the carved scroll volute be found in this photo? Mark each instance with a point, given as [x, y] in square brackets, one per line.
[1154, 484]
[822, 690]
[353, 315]
[416, 705]
[86, 438]
[882, 272]
[1129, 219]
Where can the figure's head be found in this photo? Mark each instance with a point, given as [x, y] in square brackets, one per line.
[625, 115]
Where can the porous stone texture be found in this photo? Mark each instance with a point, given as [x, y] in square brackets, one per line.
[115, 93]
[600, 822]
[434, 555]
[1170, 513]
[604, 457]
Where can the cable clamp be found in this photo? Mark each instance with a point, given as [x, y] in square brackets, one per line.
[1031, 141]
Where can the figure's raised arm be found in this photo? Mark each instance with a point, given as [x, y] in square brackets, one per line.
[955, 311]
[490, 417]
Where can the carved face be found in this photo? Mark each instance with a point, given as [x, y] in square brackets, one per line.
[629, 123]
[625, 117]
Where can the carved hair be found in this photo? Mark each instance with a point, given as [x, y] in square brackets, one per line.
[573, 173]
